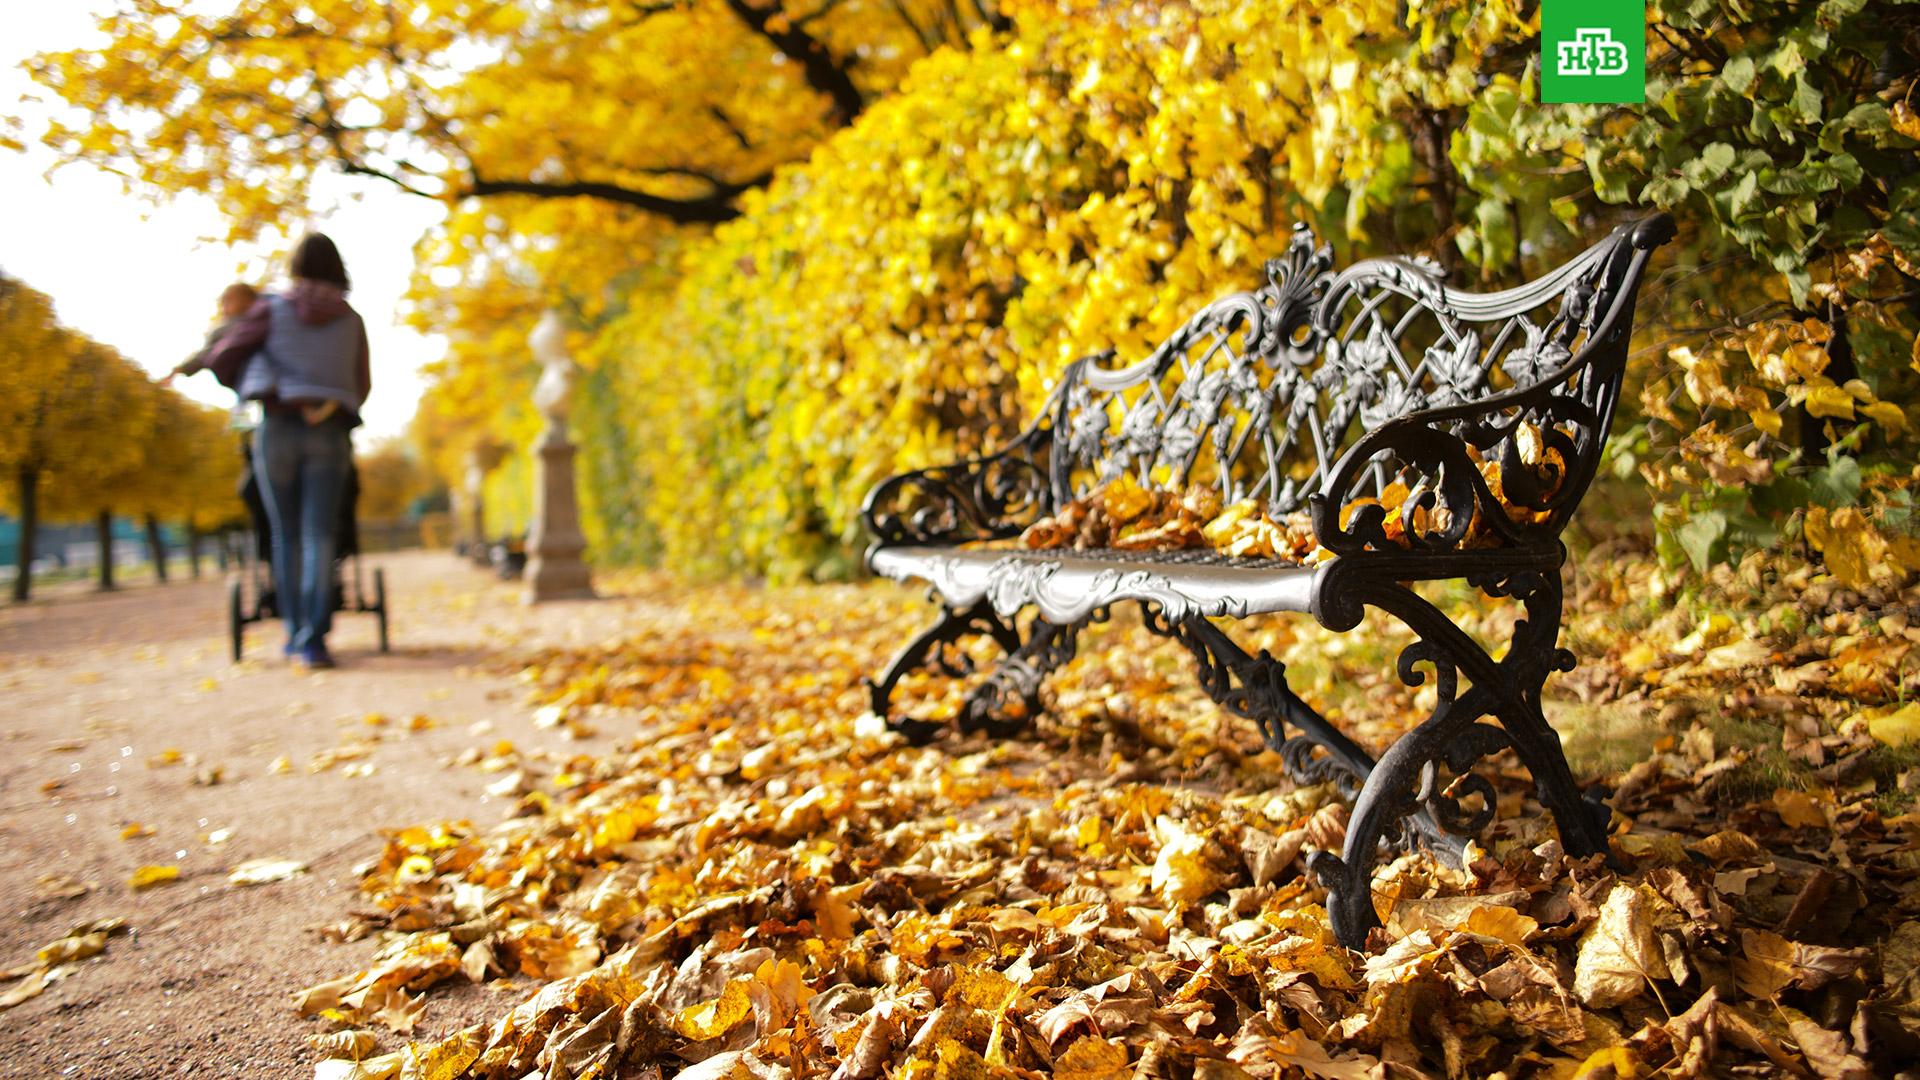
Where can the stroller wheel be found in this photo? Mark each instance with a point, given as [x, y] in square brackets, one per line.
[380, 604]
[236, 621]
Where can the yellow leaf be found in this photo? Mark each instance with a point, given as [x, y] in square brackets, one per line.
[1500, 922]
[1829, 401]
[1849, 543]
[1766, 419]
[1799, 809]
[148, 876]
[1905, 120]
[414, 870]
[712, 1019]
[72, 948]
[1614, 1062]
[1887, 415]
[1897, 728]
[443, 1060]
[136, 830]
[1093, 1058]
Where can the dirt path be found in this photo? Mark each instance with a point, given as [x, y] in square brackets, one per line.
[99, 688]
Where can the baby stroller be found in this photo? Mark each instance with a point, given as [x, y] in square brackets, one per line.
[251, 597]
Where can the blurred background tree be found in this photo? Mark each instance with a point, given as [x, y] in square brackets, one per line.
[807, 243]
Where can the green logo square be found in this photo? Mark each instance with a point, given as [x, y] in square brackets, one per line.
[1593, 51]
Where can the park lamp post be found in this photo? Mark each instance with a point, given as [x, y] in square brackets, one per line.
[555, 570]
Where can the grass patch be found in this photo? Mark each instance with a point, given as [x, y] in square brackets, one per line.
[1604, 740]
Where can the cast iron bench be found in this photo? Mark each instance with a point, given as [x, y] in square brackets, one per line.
[1318, 390]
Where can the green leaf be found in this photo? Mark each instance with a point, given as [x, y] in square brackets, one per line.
[1699, 535]
[1837, 483]
[1667, 192]
[1711, 165]
[1738, 74]
[1744, 193]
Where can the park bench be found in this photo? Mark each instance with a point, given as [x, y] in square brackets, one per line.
[1426, 432]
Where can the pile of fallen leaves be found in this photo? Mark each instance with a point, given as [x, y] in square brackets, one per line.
[1123, 515]
[766, 885]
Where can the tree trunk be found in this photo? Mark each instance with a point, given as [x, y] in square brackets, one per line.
[157, 547]
[193, 550]
[29, 524]
[103, 532]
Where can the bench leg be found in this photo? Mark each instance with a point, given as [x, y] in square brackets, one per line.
[1009, 699]
[936, 648]
[1416, 790]
[1256, 687]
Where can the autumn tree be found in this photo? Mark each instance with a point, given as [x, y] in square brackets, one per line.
[392, 479]
[671, 107]
[44, 387]
[97, 468]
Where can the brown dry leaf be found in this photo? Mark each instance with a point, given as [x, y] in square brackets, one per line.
[1900, 975]
[1620, 953]
[60, 887]
[396, 1010]
[1768, 963]
[352, 1044]
[1827, 1051]
[26, 989]
[323, 996]
[1296, 1049]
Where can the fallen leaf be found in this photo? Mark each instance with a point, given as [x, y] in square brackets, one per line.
[351, 1044]
[1897, 728]
[1620, 953]
[1093, 1058]
[148, 876]
[265, 871]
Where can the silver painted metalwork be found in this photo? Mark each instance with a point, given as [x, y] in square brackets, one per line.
[1322, 391]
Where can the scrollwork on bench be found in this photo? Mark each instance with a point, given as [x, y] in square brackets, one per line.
[1433, 434]
[987, 498]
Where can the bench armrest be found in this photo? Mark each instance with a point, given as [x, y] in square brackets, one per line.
[1436, 451]
[1433, 452]
[992, 497]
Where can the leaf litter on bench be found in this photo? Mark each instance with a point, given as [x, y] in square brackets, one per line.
[757, 888]
[1124, 515]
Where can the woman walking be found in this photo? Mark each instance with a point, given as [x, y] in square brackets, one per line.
[302, 354]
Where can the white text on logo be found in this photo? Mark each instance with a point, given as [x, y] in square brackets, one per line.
[1593, 52]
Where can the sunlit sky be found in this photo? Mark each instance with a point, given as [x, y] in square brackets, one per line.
[144, 278]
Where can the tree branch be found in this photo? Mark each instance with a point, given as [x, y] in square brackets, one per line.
[824, 73]
[710, 209]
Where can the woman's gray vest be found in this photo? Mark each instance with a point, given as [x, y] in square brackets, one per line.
[304, 361]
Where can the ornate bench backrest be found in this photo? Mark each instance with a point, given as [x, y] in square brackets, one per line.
[1339, 385]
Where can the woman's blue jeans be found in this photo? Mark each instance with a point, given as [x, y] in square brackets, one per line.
[302, 472]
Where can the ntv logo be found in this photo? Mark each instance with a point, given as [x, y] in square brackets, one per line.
[1593, 51]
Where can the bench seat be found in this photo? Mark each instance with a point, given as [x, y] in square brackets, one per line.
[1066, 586]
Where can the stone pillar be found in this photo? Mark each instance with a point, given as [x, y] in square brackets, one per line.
[555, 570]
